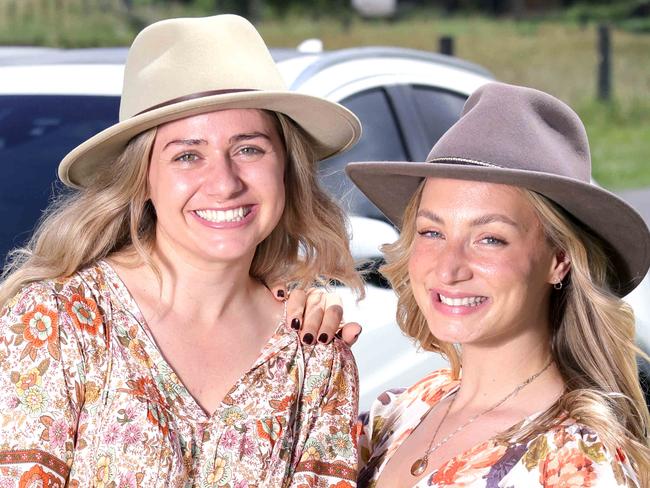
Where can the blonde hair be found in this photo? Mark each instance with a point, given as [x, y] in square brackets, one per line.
[592, 333]
[113, 214]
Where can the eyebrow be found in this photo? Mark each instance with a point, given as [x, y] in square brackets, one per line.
[482, 220]
[247, 136]
[185, 142]
[232, 140]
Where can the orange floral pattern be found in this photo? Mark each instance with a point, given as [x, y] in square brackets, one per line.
[94, 403]
[569, 456]
[84, 313]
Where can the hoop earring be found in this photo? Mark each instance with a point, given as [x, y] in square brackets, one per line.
[558, 285]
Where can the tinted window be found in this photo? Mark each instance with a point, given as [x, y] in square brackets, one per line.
[381, 141]
[36, 131]
[438, 109]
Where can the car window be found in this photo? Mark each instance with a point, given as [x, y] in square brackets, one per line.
[381, 141]
[36, 131]
[438, 110]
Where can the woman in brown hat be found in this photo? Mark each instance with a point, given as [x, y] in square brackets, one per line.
[513, 265]
[140, 345]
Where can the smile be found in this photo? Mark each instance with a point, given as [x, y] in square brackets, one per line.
[462, 302]
[223, 216]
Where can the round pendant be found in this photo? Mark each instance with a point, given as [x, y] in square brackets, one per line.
[418, 467]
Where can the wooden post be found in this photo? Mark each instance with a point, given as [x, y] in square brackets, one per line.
[604, 63]
[446, 45]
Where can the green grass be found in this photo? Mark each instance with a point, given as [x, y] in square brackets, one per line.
[558, 56]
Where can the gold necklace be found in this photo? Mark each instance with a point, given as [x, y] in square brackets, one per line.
[421, 463]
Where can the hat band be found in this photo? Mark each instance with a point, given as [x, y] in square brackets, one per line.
[463, 161]
[193, 96]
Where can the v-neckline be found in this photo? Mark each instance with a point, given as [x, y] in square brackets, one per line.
[281, 337]
[491, 440]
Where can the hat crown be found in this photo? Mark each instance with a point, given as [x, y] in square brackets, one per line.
[178, 58]
[517, 128]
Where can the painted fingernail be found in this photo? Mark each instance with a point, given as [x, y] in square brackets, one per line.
[322, 338]
[339, 334]
[295, 324]
[308, 338]
[280, 293]
[357, 336]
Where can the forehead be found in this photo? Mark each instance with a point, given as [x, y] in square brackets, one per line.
[222, 121]
[473, 198]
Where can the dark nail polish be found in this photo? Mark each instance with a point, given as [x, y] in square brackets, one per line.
[339, 334]
[295, 324]
[322, 338]
[308, 338]
[280, 293]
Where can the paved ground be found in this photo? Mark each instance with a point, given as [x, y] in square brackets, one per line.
[639, 199]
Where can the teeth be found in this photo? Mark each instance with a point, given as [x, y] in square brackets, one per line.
[462, 302]
[221, 216]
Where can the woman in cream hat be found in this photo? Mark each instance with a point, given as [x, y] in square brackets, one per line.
[513, 265]
[140, 344]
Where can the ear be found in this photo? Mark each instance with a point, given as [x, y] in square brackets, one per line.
[560, 267]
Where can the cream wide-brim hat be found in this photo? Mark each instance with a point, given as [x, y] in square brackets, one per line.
[522, 137]
[177, 68]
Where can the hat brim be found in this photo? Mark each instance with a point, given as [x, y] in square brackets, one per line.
[333, 127]
[390, 185]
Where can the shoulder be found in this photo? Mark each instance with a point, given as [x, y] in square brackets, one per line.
[394, 405]
[426, 392]
[571, 452]
[44, 310]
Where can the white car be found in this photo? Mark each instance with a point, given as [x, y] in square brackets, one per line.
[51, 100]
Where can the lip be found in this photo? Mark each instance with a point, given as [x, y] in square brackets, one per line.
[246, 219]
[456, 310]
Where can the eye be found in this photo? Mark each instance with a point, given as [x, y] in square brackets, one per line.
[250, 152]
[492, 241]
[432, 234]
[187, 157]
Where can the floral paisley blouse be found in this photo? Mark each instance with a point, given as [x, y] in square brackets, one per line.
[87, 400]
[568, 456]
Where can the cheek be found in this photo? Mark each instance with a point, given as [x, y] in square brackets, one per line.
[166, 191]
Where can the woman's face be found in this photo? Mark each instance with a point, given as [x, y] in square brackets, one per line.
[480, 267]
[216, 181]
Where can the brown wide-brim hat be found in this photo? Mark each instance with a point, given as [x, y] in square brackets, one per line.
[177, 68]
[526, 138]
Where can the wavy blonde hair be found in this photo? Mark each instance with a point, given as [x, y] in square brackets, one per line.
[113, 215]
[592, 336]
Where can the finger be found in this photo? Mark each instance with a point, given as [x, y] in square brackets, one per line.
[331, 318]
[349, 333]
[313, 316]
[279, 292]
[296, 307]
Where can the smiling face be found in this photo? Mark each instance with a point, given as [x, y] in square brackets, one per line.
[216, 181]
[480, 266]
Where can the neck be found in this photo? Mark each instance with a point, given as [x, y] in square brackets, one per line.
[207, 293]
[490, 374]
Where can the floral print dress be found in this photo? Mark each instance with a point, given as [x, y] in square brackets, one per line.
[87, 400]
[568, 456]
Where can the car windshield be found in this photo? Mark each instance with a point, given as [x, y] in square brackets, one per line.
[36, 131]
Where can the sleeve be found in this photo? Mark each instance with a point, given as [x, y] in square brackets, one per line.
[41, 369]
[327, 453]
[574, 456]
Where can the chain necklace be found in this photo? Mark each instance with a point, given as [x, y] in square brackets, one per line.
[420, 464]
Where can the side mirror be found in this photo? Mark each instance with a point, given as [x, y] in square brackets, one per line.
[367, 236]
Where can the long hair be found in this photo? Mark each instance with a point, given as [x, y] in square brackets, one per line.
[113, 214]
[592, 335]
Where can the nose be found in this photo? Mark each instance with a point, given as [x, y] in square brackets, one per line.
[222, 179]
[452, 263]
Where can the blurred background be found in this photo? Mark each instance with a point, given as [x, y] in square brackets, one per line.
[595, 55]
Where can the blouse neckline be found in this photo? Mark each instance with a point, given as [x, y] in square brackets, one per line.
[282, 337]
